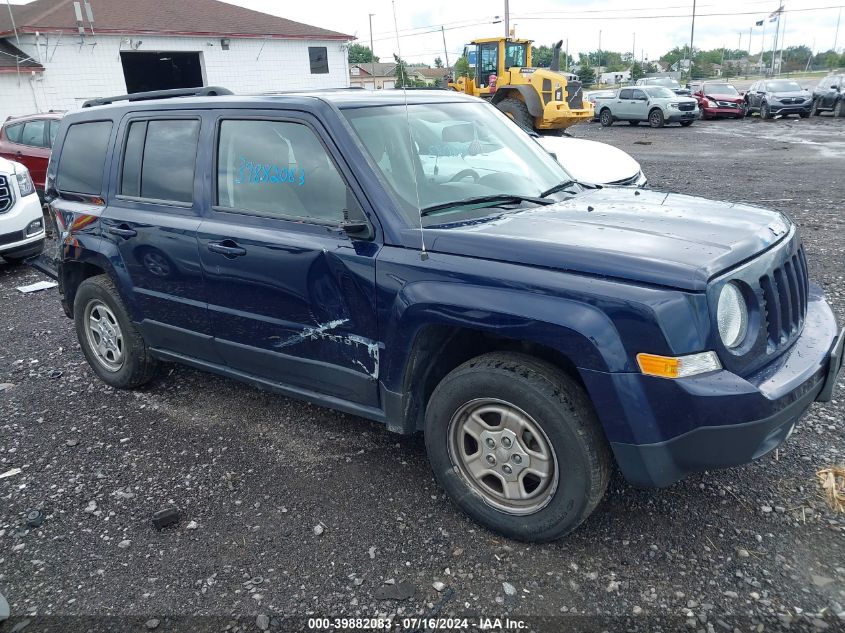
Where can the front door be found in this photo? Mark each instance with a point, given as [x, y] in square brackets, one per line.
[639, 105]
[152, 221]
[488, 63]
[292, 297]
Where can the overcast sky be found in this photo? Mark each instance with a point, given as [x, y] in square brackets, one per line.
[545, 21]
[657, 25]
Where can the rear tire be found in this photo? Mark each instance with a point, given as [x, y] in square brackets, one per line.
[747, 109]
[109, 339]
[656, 118]
[559, 438]
[606, 118]
[518, 111]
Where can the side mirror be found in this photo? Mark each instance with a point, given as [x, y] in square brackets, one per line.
[834, 87]
[357, 229]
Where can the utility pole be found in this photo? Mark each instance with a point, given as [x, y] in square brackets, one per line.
[762, 47]
[599, 60]
[567, 55]
[777, 15]
[372, 54]
[507, 20]
[634, 50]
[691, 39]
[445, 52]
[836, 37]
[749, 40]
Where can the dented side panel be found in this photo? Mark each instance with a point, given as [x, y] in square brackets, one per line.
[298, 307]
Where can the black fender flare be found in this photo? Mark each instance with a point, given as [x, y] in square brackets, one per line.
[529, 95]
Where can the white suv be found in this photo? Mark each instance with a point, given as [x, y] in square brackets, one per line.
[21, 220]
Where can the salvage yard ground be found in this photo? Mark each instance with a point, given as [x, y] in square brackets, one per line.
[256, 473]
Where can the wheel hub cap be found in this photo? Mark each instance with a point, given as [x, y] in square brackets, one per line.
[104, 335]
[504, 455]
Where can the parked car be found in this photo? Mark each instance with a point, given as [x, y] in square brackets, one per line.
[772, 97]
[666, 82]
[595, 96]
[718, 99]
[655, 104]
[594, 163]
[21, 219]
[829, 95]
[534, 329]
[28, 139]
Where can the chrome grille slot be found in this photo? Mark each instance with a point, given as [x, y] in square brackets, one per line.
[785, 291]
[5, 195]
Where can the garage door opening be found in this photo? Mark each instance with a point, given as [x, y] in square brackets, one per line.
[161, 70]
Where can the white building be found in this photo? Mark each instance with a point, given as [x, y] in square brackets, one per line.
[50, 60]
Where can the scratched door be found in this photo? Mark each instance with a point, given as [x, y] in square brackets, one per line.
[291, 296]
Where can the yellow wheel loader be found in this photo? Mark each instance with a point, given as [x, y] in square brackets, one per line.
[542, 99]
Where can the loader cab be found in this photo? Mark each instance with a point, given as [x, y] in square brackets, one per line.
[494, 56]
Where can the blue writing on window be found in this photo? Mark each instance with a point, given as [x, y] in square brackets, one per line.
[253, 173]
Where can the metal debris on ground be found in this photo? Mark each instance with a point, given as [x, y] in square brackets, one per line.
[4, 608]
[833, 483]
[35, 518]
[11, 473]
[38, 285]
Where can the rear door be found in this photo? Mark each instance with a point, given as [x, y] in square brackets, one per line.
[151, 223]
[291, 295]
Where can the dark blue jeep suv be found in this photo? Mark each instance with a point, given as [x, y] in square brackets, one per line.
[424, 263]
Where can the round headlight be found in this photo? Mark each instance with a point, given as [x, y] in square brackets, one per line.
[732, 315]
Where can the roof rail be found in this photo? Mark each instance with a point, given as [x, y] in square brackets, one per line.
[203, 91]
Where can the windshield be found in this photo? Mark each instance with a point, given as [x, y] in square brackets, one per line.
[783, 86]
[659, 92]
[720, 89]
[460, 151]
[664, 81]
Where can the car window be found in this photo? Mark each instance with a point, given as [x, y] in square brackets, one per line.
[83, 158]
[638, 94]
[278, 169]
[659, 92]
[625, 94]
[54, 130]
[783, 85]
[33, 133]
[13, 132]
[159, 159]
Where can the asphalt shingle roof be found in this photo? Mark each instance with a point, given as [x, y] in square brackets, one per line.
[169, 17]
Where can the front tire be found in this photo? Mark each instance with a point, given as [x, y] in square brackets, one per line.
[686, 123]
[110, 341]
[814, 111]
[764, 111]
[517, 446]
[839, 109]
[606, 118]
[656, 118]
[518, 111]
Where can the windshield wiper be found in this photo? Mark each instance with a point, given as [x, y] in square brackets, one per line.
[502, 198]
[558, 187]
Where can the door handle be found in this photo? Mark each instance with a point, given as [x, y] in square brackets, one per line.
[227, 248]
[122, 231]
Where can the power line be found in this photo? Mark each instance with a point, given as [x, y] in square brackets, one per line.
[673, 17]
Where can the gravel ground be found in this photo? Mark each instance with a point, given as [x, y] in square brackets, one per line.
[254, 474]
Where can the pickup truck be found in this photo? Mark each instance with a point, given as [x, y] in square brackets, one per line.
[655, 104]
[537, 331]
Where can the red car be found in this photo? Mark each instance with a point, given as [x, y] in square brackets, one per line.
[28, 140]
[718, 99]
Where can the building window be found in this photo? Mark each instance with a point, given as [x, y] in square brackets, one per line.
[319, 57]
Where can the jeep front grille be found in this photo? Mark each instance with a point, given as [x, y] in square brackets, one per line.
[785, 292]
[5, 195]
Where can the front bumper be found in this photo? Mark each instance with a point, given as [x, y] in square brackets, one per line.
[779, 108]
[13, 224]
[675, 116]
[663, 430]
[716, 112]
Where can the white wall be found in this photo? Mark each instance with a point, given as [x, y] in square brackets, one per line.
[75, 73]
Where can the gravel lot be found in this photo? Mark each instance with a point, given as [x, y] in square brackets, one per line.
[255, 473]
